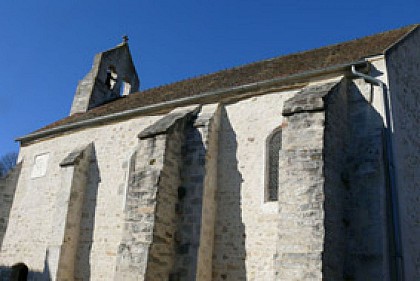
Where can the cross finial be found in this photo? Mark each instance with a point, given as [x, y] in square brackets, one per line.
[125, 39]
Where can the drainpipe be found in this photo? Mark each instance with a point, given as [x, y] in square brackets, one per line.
[395, 219]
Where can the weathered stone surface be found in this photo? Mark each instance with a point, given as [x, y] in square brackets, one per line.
[196, 198]
[403, 71]
[148, 248]
[168, 196]
[324, 210]
[95, 88]
[246, 228]
[335, 153]
[73, 158]
[186, 199]
[63, 245]
[306, 232]
[301, 229]
[308, 99]
[363, 182]
[168, 121]
[101, 215]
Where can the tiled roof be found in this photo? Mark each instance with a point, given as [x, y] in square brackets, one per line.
[278, 67]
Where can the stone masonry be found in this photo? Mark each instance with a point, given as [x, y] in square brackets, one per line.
[404, 81]
[147, 249]
[186, 181]
[335, 197]
[302, 222]
[61, 253]
[196, 206]
[363, 181]
[112, 73]
[164, 207]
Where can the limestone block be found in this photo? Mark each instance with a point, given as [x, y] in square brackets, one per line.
[167, 122]
[308, 99]
[301, 224]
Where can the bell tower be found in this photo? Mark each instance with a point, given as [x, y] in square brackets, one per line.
[112, 75]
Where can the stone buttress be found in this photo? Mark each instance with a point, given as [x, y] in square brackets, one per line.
[301, 230]
[332, 222]
[61, 253]
[169, 207]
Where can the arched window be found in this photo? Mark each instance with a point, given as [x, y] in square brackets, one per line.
[272, 165]
[19, 272]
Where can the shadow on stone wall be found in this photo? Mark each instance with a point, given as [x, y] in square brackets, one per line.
[190, 204]
[7, 272]
[87, 223]
[355, 216]
[20, 272]
[229, 242]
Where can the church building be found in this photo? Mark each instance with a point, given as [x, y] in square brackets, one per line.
[299, 167]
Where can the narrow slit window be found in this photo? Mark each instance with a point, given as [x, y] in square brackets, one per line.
[272, 176]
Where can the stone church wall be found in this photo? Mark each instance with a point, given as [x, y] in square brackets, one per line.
[245, 231]
[63, 245]
[102, 216]
[403, 64]
[31, 225]
[365, 206]
[310, 201]
[332, 215]
[223, 227]
[336, 138]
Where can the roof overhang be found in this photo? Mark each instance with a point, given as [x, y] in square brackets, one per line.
[220, 94]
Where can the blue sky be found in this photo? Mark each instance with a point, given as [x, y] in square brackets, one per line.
[46, 47]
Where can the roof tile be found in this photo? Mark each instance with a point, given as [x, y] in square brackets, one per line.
[278, 67]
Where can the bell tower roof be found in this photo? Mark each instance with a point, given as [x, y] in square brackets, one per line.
[112, 75]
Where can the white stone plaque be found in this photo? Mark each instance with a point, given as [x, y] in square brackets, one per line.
[40, 165]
